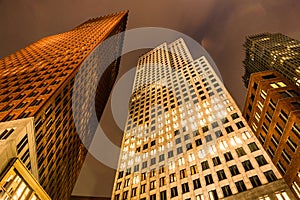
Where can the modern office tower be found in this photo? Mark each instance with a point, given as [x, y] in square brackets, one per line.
[16, 182]
[272, 109]
[272, 52]
[37, 82]
[185, 137]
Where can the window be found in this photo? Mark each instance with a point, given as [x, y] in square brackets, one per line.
[221, 175]
[208, 138]
[240, 151]
[286, 156]
[161, 157]
[196, 183]
[179, 150]
[261, 160]
[247, 165]
[174, 192]
[182, 173]
[185, 188]
[240, 185]
[229, 129]
[208, 179]
[240, 125]
[226, 190]
[218, 133]
[153, 197]
[163, 195]
[252, 146]
[170, 154]
[234, 170]
[194, 169]
[152, 185]
[204, 165]
[162, 181]
[282, 195]
[189, 146]
[172, 178]
[270, 176]
[293, 146]
[228, 156]
[143, 188]
[198, 142]
[234, 116]
[216, 161]
[255, 181]
[125, 195]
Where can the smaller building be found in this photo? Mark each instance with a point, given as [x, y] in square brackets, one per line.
[17, 139]
[16, 182]
[272, 109]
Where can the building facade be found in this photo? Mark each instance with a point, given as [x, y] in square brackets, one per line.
[272, 52]
[17, 182]
[272, 109]
[185, 137]
[38, 82]
[17, 139]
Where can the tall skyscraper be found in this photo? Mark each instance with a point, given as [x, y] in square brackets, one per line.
[272, 109]
[38, 81]
[185, 137]
[272, 52]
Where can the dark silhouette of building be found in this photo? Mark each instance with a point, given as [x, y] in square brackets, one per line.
[272, 109]
[272, 52]
[37, 81]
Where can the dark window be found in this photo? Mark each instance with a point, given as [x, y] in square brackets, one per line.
[240, 185]
[221, 175]
[179, 150]
[261, 160]
[240, 151]
[228, 156]
[208, 179]
[208, 138]
[161, 157]
[247, 165]
[185, 188]
[205, 129]
[170, 154]
[234, 116]
[163, 195]
[218, 133]
[240, 125]
[153, 197]
[204, 165]
[255, 181]
[229, 129]
[174, 192]
[198, 142]
[196, 183]
[270, 176]
[252, 146]
[234, 170]
[226, 191]
[182, 173]
[189, 146]
[216, 161]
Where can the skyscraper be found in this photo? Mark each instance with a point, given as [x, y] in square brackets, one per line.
[185, 137]
[38, 81]
[272, 110]
[272, 52]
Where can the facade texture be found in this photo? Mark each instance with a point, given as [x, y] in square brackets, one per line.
[17, 182]
[272, 109]
[185, 137]
[272, 52]
[38, 82]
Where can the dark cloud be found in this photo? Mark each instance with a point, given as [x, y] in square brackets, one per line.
[220, 26]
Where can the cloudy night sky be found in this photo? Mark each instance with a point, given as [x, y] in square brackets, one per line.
[220, 26]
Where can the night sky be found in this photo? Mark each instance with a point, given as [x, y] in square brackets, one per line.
[219, 25]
